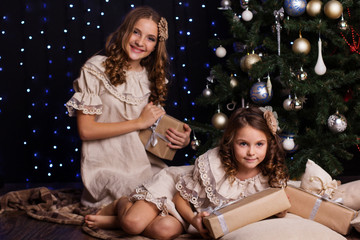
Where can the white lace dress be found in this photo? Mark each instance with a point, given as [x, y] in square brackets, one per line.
[112, 167]
[204, 185]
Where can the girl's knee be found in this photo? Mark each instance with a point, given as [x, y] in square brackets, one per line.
[164, 228]
[132, 224]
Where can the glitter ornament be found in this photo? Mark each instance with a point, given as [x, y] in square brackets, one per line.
[313, 8]
[259, 93]
[301, 45]
[219, 120]
[295, 8]
[337, 123]
[220, 52]
[247, 15]
[333, 9]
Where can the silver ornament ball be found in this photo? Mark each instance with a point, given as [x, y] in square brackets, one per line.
[287, 104]
[337, 123]
[207, 92]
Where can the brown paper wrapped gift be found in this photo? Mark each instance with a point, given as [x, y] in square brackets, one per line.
[248, 210]
[314, 207]
[154, 138]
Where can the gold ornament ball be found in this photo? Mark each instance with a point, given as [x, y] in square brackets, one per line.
[219, 120]
[333, 9]
[233, 82]
[313, 8]
[251, 60]
[242, 64]
[301, 45]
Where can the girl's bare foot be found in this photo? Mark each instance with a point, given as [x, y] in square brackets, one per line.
[108, 210]
[99, 221]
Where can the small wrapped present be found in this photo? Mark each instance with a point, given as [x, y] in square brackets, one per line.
[248, 210]
[154, 137]
[320, 209]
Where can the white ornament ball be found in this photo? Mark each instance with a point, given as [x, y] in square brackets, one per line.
[247, 15]
[337, 123]
[288, 144]
[226, 4]
[220, 52]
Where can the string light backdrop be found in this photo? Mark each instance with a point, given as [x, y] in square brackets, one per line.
[43, 45]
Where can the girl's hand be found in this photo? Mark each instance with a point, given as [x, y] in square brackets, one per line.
[178, 139]
[149, 115]
[197, 222]
[281, 214]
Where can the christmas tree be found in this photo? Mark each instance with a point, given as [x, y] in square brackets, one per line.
[302, 59]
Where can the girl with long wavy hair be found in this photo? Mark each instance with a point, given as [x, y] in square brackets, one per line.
[116, 95]
[249, 159]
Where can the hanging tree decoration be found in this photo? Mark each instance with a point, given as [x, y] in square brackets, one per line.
[207, 92]
[342, 24]
[219, 120]
[279, 15]
[301, 75]
[313, 8]
[295, 8]
[333, 9]
[247, 15]
[320, 68]
[195, 143]
[225, 5]
[301, 45]
[337, 122]
[287, 103]
[259, 93]
[220, 52]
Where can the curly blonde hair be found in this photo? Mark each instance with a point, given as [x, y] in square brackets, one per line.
[156, 64]
[273, 165]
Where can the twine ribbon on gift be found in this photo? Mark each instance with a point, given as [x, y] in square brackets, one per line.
[324, 187]
[153, 140]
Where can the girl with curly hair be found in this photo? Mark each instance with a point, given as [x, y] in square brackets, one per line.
[248, 160]
[117, 95]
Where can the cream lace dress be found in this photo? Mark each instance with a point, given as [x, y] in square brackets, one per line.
[204, 185]
[112, 167]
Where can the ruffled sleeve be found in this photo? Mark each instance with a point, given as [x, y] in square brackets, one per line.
[87, 90]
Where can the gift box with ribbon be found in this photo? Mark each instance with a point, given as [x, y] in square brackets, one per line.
[320, 208]
[154, 137]
[248, 210]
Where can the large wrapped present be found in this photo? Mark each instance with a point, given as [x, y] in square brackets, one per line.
[154, 137]
[248, 210]
[320, 209]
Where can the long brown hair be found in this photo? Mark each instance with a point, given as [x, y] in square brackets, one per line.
[156, 63]
[274, 162]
